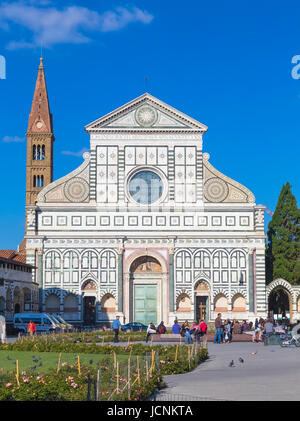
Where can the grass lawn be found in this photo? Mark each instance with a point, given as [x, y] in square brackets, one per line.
[47, 360]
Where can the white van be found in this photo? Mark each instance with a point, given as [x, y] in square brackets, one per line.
[42, 321]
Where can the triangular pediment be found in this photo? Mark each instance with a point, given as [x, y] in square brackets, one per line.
[145, 113]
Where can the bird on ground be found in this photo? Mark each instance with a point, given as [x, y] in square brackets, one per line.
[40, 364]
[8, 358]
[254, 352]
[33, 368]
[241, 360]
[231, 364]
[91, 361]
[35, 361]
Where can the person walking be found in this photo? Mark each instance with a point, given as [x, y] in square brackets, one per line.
[218, 326]
[31, 328]
[150, 330]
[116, 324]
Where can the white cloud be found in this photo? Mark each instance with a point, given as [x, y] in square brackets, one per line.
[50, 26]
[78, 154]
[13, 139]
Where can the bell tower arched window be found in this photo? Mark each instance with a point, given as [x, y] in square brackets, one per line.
[34, 152]
[43, 153]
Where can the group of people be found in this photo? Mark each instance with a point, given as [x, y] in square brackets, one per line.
[259, 330]
[191, 333]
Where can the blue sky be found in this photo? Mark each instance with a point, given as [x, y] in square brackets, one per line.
[226, 64]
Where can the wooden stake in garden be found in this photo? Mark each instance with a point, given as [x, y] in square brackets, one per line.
[98, 385]
[117, 377]
[176, 354]
[58, 365]
[79, 372]
[147, 372]
[151, 340]
[129, 379]
[102, 340]
[128, 341]
[115, 360]
[138, 369]
[17, 375]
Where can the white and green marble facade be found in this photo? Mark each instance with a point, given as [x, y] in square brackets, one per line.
[205, 227]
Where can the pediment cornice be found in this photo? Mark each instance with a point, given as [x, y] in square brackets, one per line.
[181, 122]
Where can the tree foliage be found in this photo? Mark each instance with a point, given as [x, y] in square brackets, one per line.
[283, 248]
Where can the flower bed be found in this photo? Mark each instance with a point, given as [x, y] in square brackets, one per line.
[133, 379]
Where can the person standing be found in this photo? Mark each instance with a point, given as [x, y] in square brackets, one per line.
[116, 324]
[31, 328]
[218, 326]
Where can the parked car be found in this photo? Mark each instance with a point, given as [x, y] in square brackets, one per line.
[42, 321]
[134, 326]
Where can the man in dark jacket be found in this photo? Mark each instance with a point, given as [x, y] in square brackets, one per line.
[218, 326]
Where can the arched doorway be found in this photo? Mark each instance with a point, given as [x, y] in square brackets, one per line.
[202, 294]
[89, 293]
[145, 290]
[280, 303]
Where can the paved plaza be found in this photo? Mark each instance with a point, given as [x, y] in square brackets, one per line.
[273, 373]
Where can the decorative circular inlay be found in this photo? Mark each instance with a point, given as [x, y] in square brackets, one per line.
[76, 190]
[215, 190]
[146, 116]
[39, 124]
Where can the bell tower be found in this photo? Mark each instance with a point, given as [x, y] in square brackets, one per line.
[39, 167]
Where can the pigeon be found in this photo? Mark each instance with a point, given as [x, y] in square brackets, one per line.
[40, 364]
[38, 357]
[241, 360]
[35, 361]
[91, 361]
[75, 356]
[14, 363]
[254, 352]
[231, 364]
[33, 368]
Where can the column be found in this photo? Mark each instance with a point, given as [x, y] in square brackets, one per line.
[171, 280]
[120, 280]
[251, 280]
[40, 279]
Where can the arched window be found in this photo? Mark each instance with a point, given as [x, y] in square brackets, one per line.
[52, 267]
[183, 262]
[42, 181]
[38, 153]
[108, 304]
[220, 267]
[238, 303]
[238, 265]
[108, 267]
[70, 304]
[2, 306]
[52, 304]
[89, 261]
[34, 152]
[38, 181]
[43, 153]
[71, 267]
[183, 303]
[8, 300]
[220, 303]
[34, 181]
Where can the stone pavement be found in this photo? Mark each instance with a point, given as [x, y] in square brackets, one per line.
[273, 373]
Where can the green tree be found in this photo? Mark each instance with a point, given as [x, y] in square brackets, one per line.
[283, 247]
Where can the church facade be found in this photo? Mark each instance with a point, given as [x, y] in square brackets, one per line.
[146, 227]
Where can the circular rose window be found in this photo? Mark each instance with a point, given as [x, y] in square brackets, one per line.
[145, 187]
